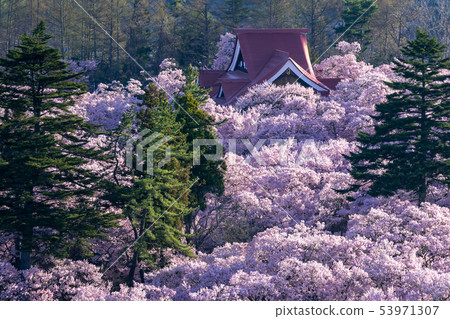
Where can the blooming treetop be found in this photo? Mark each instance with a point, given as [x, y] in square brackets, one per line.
[225, 49]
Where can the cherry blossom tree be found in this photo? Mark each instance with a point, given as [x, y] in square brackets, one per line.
[106, 105]
[225, 49]
[170, 78]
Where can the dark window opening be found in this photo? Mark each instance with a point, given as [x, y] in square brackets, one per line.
[240, 64]
[289, 77]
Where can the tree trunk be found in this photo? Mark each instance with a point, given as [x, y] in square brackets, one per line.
[62, 26]
[423, 188]
[25, 260]
[26, 246]
[141, 274]
[17, 250]
[423, 142]
[130, 279]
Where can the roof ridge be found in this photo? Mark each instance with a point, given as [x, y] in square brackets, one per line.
[312, 77]
[269, 30]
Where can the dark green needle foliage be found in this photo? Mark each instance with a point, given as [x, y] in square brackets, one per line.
[155, 203]
[198, 125]
[46, 190]
[355, 18]
[410, 147]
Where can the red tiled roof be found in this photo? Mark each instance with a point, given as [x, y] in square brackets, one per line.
[232, 82]
[209, 77]
[235, 76]
[265, 52]
[257, 46]
[330, 82]
[277, 60]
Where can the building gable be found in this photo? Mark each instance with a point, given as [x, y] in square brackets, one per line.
[278, 56]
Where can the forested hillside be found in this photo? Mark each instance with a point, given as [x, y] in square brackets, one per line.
[187, 30]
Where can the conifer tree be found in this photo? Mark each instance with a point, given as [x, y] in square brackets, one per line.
[198, 125]
[232, 13]
[198, 32]
[357, 15]
[155, 204]
[46, 188]
[410, 147]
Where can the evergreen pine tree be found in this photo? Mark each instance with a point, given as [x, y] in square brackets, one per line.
[357, 15]
[47, 191]
[410, 147]
[209, 173]
[232, 13]
[155, 204]
[198, 33]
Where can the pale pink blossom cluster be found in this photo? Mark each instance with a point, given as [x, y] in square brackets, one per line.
[279, 185]
[70, 280]
[82, 66]
[271, 184]
[168, 63]
[60, 282]
[107, 103]
[270, 111]
[422, 231]
[344, 66]
[170, 78]
[225, 49]
[346, 47]
[302, 263]
[282, 263]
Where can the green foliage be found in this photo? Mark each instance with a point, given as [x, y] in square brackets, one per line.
[155, 204]
[159, 206]
[46, 187]
[410, 148]
[197, 33]
[233, 13]
[270, 13]
[138, 39]
[357, 14]
[198, 93]
[197, 125]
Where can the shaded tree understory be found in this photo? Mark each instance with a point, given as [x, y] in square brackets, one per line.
[152, 30]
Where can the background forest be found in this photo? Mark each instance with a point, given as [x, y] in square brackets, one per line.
[188, 30]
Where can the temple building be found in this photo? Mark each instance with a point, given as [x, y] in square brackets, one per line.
[277, 56]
